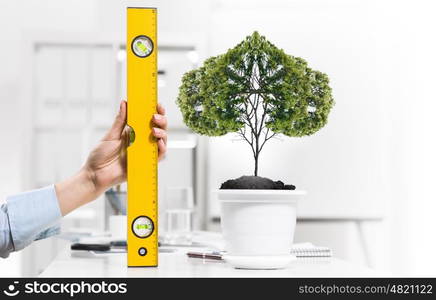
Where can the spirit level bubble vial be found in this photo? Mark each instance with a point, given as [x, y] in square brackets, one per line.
[141, 47]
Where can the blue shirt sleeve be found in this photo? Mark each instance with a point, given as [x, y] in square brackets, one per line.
[27, 217]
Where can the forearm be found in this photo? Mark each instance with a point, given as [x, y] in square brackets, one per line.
[34, 215]
[77, 191]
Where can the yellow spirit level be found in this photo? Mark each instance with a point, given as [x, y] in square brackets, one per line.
[141, 47]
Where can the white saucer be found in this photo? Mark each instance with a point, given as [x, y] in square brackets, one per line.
[264, 262]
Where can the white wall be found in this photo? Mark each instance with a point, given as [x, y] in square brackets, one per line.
[414, 85]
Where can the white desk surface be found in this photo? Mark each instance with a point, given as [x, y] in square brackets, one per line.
[176, 264]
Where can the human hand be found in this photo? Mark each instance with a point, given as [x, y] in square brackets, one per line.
[106, 164]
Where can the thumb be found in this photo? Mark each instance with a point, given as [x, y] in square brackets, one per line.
[118, 125]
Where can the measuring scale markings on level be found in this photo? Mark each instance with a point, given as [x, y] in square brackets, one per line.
[142, 153]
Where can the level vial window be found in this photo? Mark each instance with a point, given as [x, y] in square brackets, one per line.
[142, 46]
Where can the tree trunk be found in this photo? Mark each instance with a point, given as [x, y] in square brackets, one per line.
[256, 154]
[255, 167]
[256, 163]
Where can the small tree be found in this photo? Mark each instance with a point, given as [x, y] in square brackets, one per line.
[257, 91]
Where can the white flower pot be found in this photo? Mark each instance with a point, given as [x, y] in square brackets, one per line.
[259, 222]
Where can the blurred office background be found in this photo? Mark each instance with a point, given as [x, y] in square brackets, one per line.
[369, 173]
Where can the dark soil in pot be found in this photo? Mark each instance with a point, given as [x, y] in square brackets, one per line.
[255, 183]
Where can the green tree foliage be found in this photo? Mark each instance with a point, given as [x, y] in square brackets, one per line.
[257, 91]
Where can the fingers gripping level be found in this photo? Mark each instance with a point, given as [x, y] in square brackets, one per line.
[142, 154]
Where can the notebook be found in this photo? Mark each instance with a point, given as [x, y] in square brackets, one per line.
[310, 250]
[299, 250]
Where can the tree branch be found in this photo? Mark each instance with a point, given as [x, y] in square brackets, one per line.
[267, 138]
[246, 139]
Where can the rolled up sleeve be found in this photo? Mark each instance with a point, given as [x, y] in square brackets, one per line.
[28, 216]
[6, 245]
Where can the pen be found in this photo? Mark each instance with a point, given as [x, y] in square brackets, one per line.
[205, 255]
